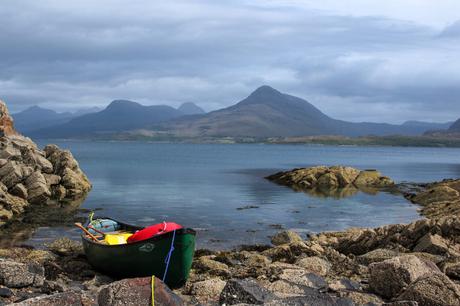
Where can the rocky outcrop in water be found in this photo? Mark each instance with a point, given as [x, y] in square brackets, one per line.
[30, 176]
[318, 179]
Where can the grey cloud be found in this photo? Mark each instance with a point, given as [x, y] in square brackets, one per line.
[68, 55]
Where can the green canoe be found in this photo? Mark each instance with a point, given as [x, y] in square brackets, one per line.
[145, 258]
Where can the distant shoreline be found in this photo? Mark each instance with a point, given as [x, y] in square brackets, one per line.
[366, 141]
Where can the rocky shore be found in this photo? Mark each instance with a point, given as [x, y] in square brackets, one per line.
[33, 177]
[401, 264]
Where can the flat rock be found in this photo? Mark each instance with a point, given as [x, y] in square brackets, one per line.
[208, 290]
[69, 298]
[389, 277]
[315, 265]
[377, 255]
[313, 299]
[344, 284]
[245, 291]
[362, 298]
[304, 278]
[284, 288]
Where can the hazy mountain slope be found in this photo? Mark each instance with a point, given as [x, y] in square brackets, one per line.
[120, 115]
[455, 127]
[424, 126]
[36, 117]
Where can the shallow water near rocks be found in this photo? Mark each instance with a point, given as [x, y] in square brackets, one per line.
[220, 190]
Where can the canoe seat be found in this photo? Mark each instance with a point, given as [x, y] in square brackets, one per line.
[115, 238]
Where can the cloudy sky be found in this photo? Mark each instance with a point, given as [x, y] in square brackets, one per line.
[358, 60]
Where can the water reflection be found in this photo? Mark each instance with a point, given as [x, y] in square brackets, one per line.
[57, 214]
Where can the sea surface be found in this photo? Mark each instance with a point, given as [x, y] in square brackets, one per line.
[220, 190]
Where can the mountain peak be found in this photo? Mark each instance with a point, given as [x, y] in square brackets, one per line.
[122, 105]
[190, 108]
[266, 90]
[265, 95]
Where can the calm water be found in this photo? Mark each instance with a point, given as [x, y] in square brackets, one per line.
[202, 186]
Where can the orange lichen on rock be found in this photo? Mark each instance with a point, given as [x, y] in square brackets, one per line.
[6, 122]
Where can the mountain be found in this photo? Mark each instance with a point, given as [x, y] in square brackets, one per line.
[425, 126]
[84, 111]
[120, 115]
[35, 117]
[265, 113]
[455, 127]
[190, 108]
[269, 113]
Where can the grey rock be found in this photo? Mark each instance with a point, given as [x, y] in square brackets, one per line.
[314, 299]
[389, 277]
[377, 255]
[314, 264]
[136, 291]
[436, 290]
[68, 298]
[304, 278]
[52, 179]
[6, 292]
[245, 291]
[285, 237]
[344, 284]
[16, 275]
[401, 303]
[208, 290]
[19, 190]
[433, 244]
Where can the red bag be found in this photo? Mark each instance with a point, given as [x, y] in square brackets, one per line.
[153, 230]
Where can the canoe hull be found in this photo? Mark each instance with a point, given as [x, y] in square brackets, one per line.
[146, 258]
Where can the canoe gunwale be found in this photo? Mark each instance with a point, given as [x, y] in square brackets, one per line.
[182, 231]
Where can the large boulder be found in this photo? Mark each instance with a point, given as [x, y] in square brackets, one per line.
[285, 237]
[16, 275]
[435, 290]
[137, 291]
[433, 244]
[389, 277]
[30, 176]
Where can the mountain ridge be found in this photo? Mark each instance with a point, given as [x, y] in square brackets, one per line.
[266, 112]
